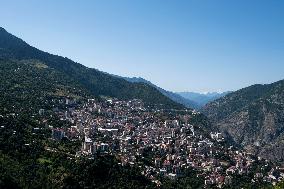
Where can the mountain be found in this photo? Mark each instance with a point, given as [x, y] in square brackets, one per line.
[173, 96]
[91, 80]
[253, 118]
[200, 99]
[26, 85]
[32, 80]
[39, 99]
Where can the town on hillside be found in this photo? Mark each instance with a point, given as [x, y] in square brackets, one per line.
[163, 143]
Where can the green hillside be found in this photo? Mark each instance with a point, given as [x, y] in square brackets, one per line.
[92, 80]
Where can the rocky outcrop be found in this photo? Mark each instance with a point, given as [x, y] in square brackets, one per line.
[253, 118]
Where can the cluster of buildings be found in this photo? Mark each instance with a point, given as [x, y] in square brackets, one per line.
[161, 143]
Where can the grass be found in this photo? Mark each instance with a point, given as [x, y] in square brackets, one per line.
[43, 160]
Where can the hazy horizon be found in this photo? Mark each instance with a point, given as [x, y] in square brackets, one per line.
[196, 46]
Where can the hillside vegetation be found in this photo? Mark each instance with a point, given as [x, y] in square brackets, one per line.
[96, 82]
[253, 117]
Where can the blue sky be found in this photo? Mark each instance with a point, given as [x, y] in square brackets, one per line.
[180, 45]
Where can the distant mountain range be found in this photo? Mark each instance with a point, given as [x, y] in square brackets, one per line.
[173, 96]
[92, 81]
[253, 118]
[188, 99]
[202, 98]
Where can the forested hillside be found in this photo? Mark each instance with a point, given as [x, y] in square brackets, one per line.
[26, 87]
[96, 82]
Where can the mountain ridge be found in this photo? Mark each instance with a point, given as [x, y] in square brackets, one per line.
[96, 82]
[253, 118]
[201, 99]
[173, 96]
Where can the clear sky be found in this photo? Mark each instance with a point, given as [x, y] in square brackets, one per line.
[180, 45]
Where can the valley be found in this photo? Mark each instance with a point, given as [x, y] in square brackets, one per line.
[64, 125]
